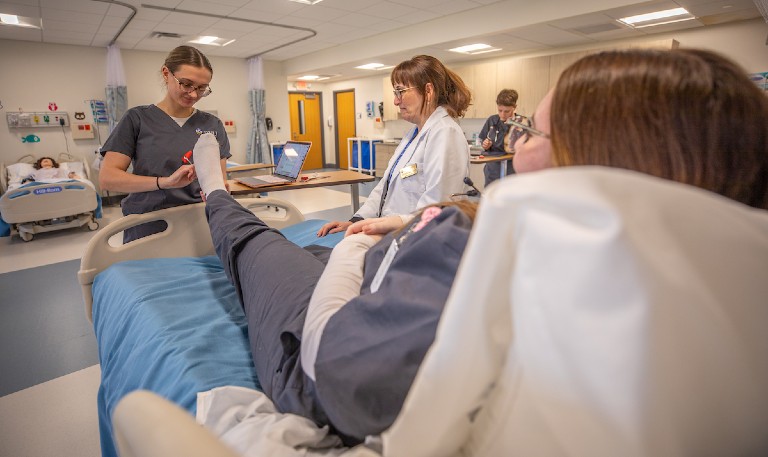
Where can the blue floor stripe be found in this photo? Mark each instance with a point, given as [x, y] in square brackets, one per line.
[43, 330]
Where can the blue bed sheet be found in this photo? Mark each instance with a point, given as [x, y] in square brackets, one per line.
[174, 327]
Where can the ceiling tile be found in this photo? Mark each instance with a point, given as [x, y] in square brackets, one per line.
[51, 25]
[279, 7]
[206, 7]
[256, 15]
[389, 10]
[20, 2]
[20, 10]
[355, 19]
[548, 35]
[320, 14]
[418, 17]
[191, 20]
[71, 16]
[350, 5]
[80, 6]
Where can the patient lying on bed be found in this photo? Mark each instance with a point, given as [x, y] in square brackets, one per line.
[323, 343]
[342, 345]
[47, 168]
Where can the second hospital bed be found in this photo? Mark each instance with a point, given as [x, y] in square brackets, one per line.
[596, 312]
[36, 207]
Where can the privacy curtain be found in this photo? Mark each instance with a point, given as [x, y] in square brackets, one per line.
[258, 143]
[116, 90]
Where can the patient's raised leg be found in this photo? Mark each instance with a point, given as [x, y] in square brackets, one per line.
[275, 279]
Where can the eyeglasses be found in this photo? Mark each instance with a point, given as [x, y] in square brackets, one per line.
[188, 87]
[526, 127]
[399, 92]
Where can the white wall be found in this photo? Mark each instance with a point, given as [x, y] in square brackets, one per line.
[35, 74]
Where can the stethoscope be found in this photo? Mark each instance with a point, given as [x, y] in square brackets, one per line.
[494, 129]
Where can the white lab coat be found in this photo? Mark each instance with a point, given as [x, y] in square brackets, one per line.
[441, 155]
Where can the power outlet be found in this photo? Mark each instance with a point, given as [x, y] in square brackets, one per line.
[37, 119]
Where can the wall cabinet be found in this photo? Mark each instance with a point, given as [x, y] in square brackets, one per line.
[531, 77]
[384, 153]
[484, 89]
[466, 75]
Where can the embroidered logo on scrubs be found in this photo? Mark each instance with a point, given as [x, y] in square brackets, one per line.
[408, 170]
[200, 132]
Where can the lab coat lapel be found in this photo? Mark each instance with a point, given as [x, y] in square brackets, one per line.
[434, 118]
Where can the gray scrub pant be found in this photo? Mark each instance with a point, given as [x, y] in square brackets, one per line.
[492, 170]
[274, 279]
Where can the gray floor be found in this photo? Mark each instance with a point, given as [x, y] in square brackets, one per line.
[43, 330]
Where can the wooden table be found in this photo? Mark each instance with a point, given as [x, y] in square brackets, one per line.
[324, 179]
[489, 158]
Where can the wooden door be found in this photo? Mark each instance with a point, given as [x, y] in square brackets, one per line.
[344, 111]
[307, 124]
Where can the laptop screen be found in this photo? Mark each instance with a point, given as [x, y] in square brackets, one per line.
[292, 159]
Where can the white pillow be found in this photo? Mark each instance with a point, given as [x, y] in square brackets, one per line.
[77, 167]
[17, 172]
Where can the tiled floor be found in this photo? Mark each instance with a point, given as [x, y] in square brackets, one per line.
[58, 417]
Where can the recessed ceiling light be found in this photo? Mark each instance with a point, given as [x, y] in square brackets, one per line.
[19, 21]
[307, 2]
[10, 19]
[211, 41]
[371, 66]
[477, 48]
[657, 18]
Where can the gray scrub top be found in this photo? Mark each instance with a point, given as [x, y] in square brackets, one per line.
[156, 144]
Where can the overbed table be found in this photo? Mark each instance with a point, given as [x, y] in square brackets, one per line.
[323, 179]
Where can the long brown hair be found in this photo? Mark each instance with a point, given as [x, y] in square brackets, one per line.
[687, 115]
[450, 90]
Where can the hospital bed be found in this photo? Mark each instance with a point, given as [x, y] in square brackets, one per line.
[152, 301]
[30, 208]
[596, 312]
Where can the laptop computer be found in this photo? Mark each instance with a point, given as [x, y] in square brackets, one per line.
[288, 166]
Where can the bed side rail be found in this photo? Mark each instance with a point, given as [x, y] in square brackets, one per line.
[187, 235]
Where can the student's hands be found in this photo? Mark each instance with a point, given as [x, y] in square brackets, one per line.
[333, 227]
[487, 144]
[182, 177]
[375, 226]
